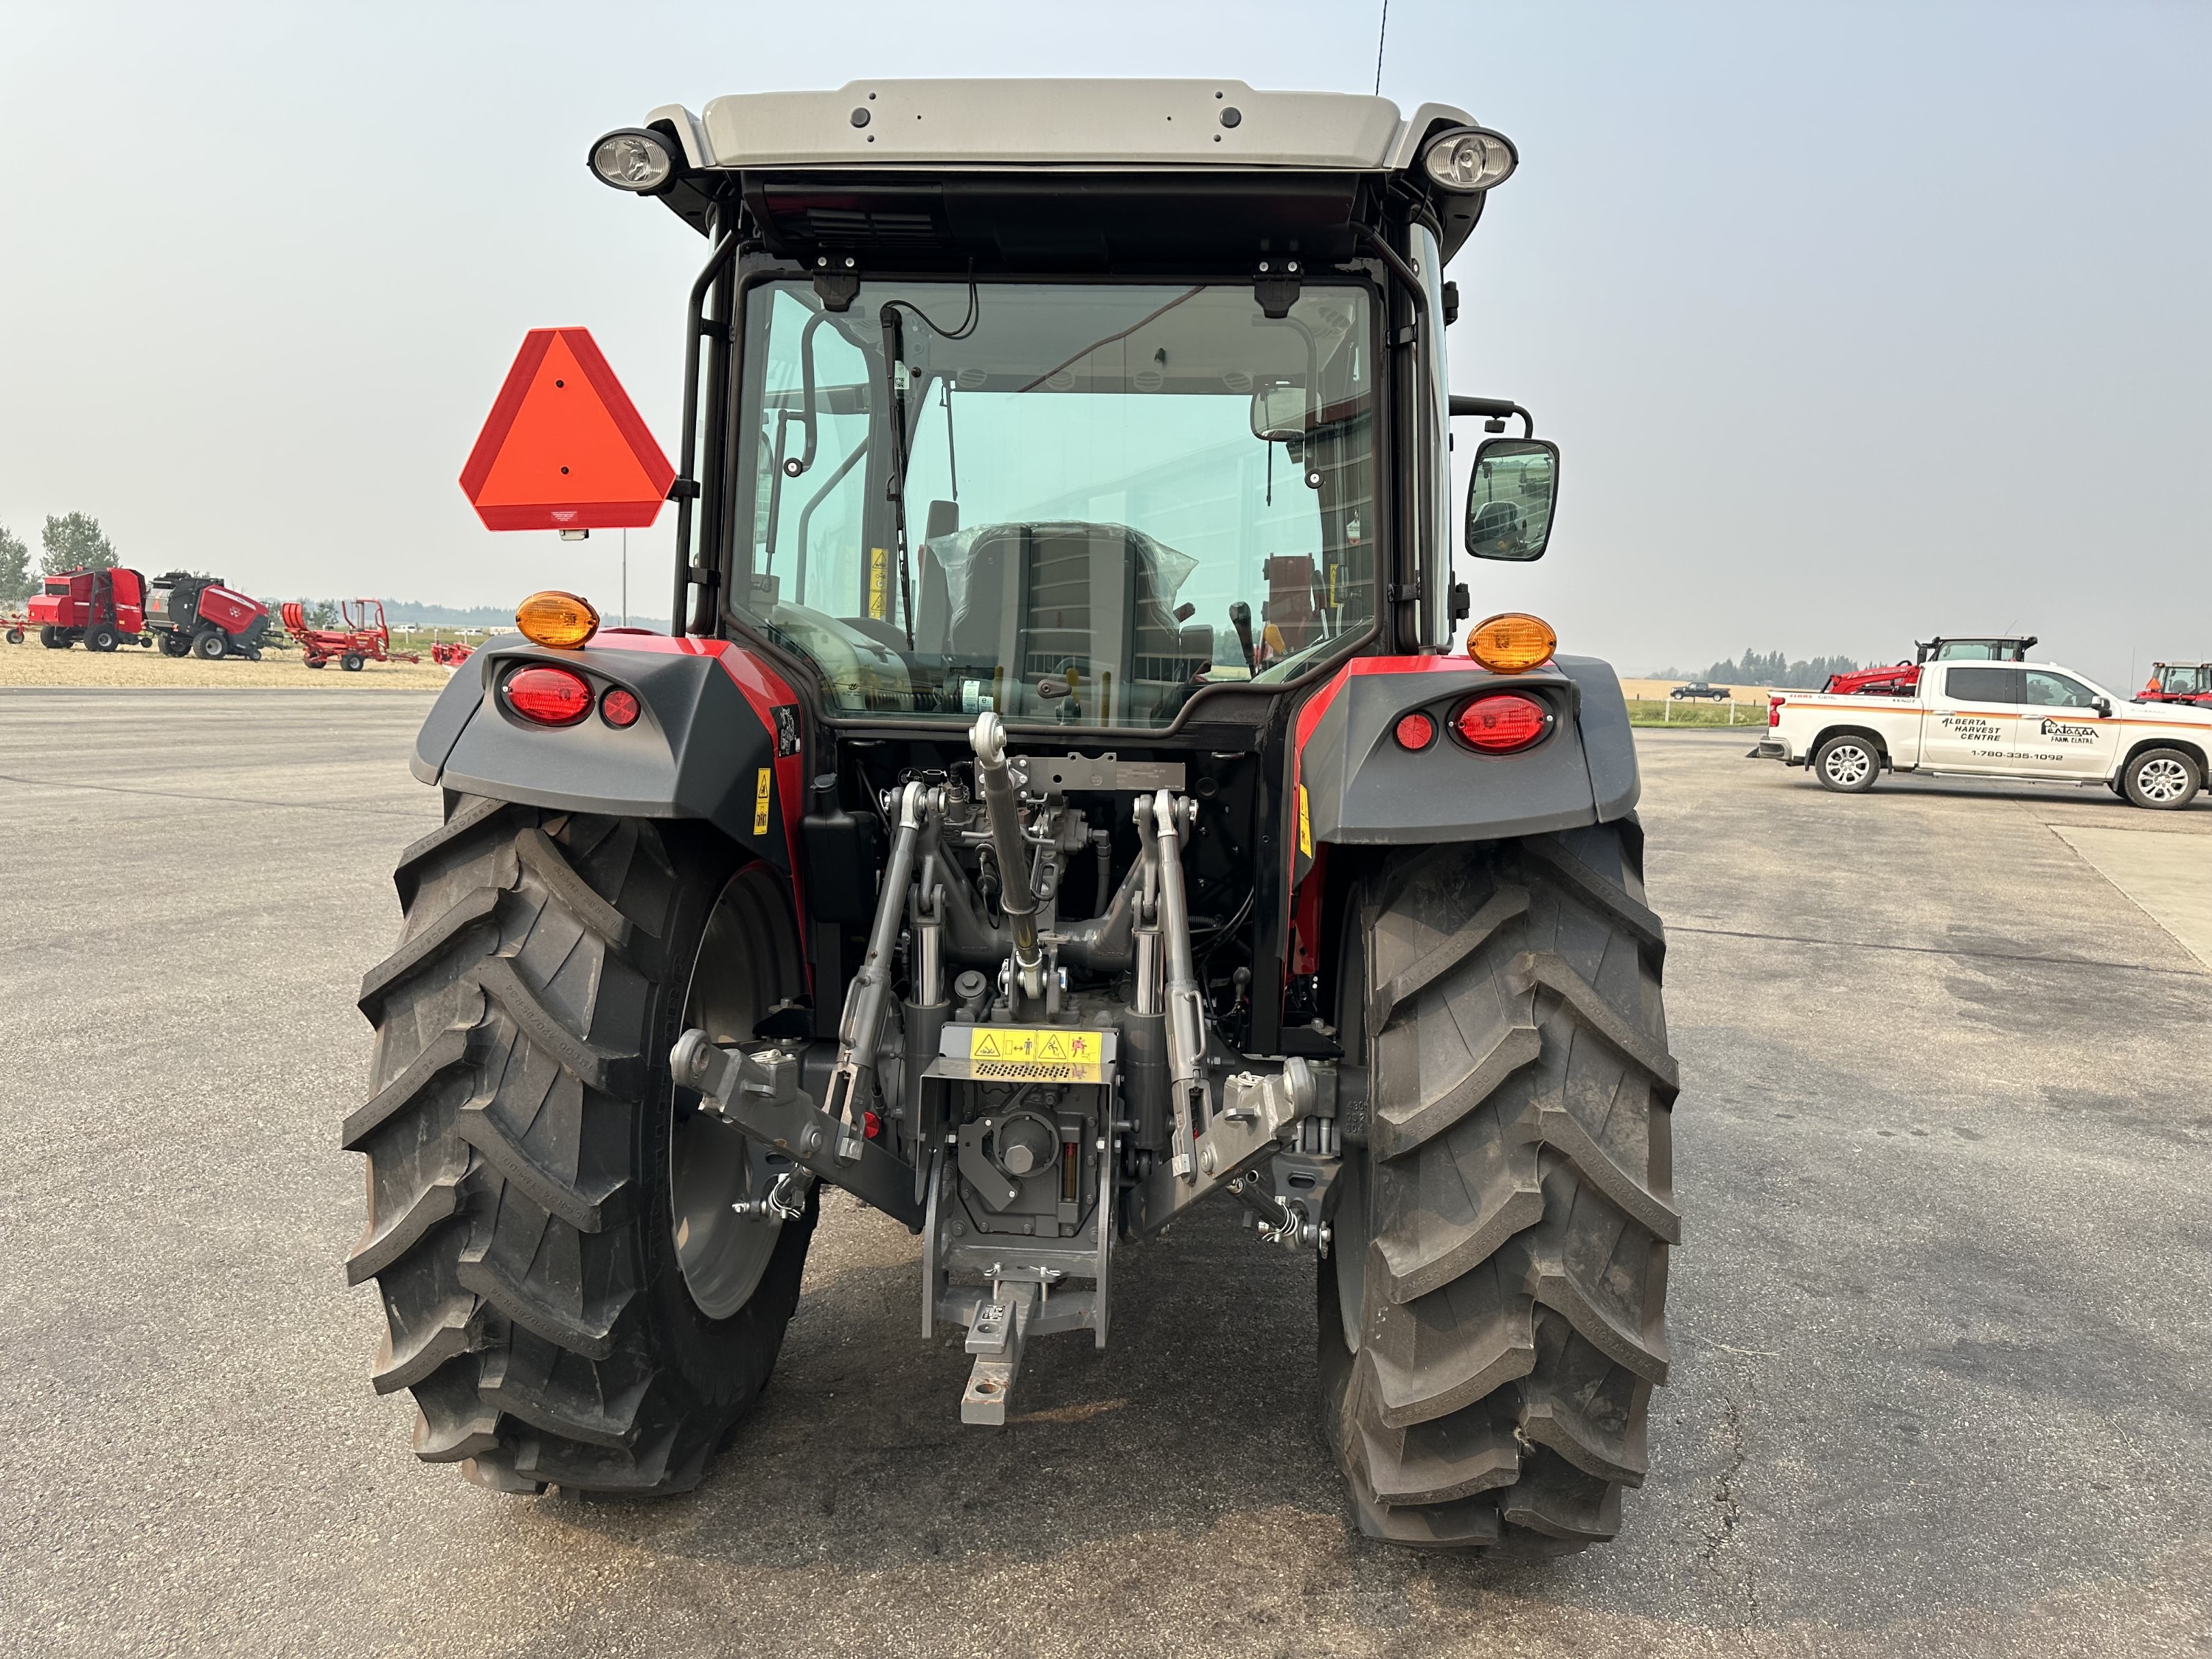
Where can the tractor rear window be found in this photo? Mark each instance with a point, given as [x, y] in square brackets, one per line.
[1108, 489]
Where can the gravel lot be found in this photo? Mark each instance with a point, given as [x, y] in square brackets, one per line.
[1940, 1325]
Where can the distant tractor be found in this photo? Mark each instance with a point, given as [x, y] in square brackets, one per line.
[198, 615]
[1901, 679]
[2178, 682]
[105, 609]
[363, 636]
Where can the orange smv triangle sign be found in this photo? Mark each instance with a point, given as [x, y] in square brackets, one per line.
[565, 448]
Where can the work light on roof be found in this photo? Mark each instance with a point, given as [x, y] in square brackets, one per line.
[1470, 159]
[634, 159]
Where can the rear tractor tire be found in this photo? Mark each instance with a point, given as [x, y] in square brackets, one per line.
[1492, 1316]
[566, 1288]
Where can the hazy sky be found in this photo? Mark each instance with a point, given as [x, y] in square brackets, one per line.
[1831, 305]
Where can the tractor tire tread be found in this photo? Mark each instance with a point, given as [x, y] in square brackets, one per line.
[502, 1133]
[1520, 1206]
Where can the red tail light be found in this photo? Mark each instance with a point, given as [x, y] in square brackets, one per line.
[1774, 711]
[1502, 722]
[548, 697]
[619, 708]
[1415, 731]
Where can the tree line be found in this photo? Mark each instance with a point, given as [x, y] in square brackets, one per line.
[1768, 668]
[73, 541]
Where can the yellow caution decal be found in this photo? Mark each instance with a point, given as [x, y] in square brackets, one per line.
[879, 586]
[1005, 1053]
[760, 799]
[1305, 825]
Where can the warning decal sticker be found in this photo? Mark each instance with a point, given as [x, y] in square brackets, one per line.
[1004, 1053]
[760, 799]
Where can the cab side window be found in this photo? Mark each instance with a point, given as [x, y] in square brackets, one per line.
[1982, 684]
[2049, 690]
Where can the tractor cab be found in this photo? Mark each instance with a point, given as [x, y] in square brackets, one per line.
[1977, 648]
[2178, 681]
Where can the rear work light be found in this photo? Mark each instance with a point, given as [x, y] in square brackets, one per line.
[547, 697]
[1415, 731]
[1501, 723]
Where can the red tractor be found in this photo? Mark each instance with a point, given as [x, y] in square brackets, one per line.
[2178, 682]
[198, 615]
[1899, 679]
[105, 609]
[362, 637]
[965, 847]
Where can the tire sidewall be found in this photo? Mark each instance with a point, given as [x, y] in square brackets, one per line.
[2131, 789]
[723, 1361]
[1821, 759]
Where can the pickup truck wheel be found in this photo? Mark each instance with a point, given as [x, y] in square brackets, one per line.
[1848, 764]
[2161, 779]
[1492, 1316]
[565, 1288]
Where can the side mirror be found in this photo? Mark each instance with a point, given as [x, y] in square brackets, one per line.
[1279, 413]
[1511, 497]
[2102, 705]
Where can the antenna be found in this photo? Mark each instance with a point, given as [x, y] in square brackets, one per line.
[1381, 35]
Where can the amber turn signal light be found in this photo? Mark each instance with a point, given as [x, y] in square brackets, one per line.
[1511, 642]
[562, 620]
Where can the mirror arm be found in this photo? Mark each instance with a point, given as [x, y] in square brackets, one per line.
[1494, 408]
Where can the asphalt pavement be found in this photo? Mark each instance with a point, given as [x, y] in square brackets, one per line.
[1940, 1323]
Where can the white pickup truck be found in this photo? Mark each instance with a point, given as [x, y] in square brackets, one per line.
[2013, 720]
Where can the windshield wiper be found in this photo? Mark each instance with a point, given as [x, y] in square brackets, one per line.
[895, 400]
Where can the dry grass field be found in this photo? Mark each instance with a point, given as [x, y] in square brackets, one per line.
[32, 663]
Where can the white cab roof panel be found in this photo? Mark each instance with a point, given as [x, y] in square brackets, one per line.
[1088, 124]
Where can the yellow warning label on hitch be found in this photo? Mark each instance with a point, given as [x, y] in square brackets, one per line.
[1007, 1054]
[760, 799]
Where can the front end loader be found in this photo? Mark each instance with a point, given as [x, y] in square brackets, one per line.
[1067, 795]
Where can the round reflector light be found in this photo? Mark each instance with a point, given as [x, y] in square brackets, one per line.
[548, 697]
[1502, 722]
[1473, 158]
[1415, 731]
[1512, 642]
[619, 708]
[634, 160]
[560, 620]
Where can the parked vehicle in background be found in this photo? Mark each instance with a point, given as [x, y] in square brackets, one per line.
[196, 616]
[1700, 689]
[2178, 682]
[1897, 679]
[363, 636]
[105, 609]
[1995, 720]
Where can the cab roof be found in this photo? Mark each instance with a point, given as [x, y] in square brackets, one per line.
[1089, 124]
[1095, 175]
